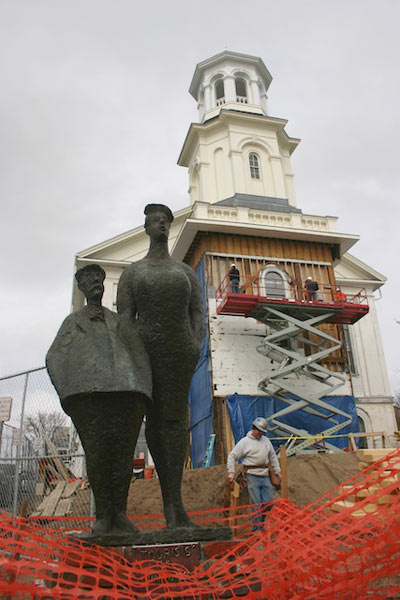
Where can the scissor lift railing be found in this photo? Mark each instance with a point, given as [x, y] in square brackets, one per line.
[294, 319]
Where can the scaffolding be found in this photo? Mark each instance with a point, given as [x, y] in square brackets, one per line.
[298, 346]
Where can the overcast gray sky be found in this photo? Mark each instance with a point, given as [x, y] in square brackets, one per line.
[94, 109]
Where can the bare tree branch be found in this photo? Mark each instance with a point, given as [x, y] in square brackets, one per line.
[42, 424]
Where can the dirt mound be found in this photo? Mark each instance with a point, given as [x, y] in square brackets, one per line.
[201, 489]
[309, 476]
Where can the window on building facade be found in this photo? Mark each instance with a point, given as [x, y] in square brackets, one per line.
[241, 92]
[254, 166]
[274, 284]
[219, 92]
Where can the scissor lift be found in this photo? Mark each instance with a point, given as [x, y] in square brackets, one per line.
[292, 320]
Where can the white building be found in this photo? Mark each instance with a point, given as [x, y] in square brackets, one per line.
[243, 209]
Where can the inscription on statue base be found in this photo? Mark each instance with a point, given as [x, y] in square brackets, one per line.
[186, 554]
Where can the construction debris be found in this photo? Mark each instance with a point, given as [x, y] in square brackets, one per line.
[367, 500]
[58, 503]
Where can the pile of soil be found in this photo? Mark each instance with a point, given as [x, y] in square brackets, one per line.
[309, 476]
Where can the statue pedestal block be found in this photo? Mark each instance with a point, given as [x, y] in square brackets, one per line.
[188, 555]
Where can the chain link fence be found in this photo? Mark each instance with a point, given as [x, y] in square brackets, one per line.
[42, 464]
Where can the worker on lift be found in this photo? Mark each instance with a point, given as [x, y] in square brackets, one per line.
[312, 288]
[339, 296]
[234, 277]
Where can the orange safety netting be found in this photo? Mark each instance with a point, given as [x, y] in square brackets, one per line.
[344, 546]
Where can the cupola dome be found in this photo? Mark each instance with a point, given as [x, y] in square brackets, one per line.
[232, 81]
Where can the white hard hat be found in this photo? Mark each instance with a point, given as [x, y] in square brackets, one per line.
[309, 278]
[261, 424]
[233, 265]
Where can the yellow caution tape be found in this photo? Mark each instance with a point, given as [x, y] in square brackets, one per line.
[316, 436]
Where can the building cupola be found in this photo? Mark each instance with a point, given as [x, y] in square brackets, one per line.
[230, 81]
[237, 149]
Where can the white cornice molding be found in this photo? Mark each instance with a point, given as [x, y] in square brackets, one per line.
[102, 261]
[226, 116]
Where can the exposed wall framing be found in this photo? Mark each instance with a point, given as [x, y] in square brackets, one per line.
[299, 259]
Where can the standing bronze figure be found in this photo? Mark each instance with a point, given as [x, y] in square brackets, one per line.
[104, 383]
[160, 299]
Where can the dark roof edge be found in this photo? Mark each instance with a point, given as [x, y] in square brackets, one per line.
[259, 203]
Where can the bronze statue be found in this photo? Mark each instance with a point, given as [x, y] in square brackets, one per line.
[104, 383]
[160, 299]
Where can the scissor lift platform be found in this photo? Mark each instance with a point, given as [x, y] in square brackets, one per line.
[287, 319]
[348, 312]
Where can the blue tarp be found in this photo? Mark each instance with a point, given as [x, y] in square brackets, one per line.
[244, 409]
[200, 397]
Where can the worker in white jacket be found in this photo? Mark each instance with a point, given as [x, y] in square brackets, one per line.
[257, 454]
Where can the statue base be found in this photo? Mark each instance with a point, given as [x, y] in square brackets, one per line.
[159, 536]
[189, 555]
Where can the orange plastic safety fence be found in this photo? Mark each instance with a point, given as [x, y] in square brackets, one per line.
[345, 546]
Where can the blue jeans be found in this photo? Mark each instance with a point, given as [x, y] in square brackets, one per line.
[235, 286]
[261, 493]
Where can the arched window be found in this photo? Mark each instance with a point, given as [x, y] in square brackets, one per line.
[254, 166]
[274, 282]
[241, 92]
[220, 92]
[274, 285]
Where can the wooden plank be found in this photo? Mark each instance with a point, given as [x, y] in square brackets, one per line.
[63, 507]
[359, 512]
[392, 464]
[352, 442]
[373, 435]
[362, 465]
[388, 481]
[57, 461]
[235, 489]
[52, 470]
[284, 481]
[386, 499]
[369, 491]
[373, 454]
[23, 509]
[71, 488]
[39, 489]
[349, 490]
[341, 505]
[47, 507]
[228, 429]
